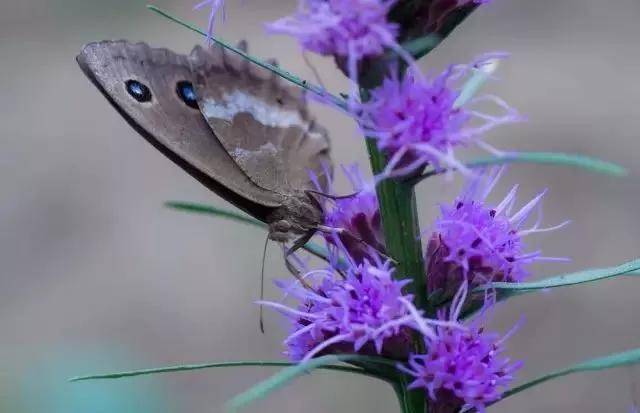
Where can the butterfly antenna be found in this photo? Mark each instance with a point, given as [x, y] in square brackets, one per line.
[313, 69]
[264, 257]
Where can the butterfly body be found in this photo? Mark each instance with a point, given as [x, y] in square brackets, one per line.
[229, 123]
[299, 215]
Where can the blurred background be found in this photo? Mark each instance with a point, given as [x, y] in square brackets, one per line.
[98, 276]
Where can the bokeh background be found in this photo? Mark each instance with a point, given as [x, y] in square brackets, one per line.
[96, 275]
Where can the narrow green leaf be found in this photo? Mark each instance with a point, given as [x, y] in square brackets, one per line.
[285, 376]
[565, 280]
[320, 91]
[190, 367]
[194, 208]
[548, 158]
[624, 358]
[553, 158]
[510, 290]
[422, 45]
[211, 210]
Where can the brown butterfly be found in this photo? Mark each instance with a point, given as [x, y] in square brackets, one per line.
[229, 123]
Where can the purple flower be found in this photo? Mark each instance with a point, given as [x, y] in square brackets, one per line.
[215, 5]
[361, 309]
[356, 28]
[462, 368]
[358, 219]
[479, 242]
[419, 121]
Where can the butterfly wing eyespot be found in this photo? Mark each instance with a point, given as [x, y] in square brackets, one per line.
[187, 94]
[141, 82]
[138, 91]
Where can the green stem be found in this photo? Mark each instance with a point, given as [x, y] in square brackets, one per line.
[399, 213]
[401, 394]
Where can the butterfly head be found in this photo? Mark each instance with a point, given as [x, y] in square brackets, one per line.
[300, 214]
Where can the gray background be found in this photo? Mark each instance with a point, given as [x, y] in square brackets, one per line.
[98, 276]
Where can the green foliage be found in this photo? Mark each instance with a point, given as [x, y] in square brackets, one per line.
[565, 280]
[195, 208]
[421, 46]
[191, 367]
[553, 158]
[625, 358]
[214, 211]
[285, 376]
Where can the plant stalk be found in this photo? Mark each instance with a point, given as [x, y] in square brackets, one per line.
[399, 213]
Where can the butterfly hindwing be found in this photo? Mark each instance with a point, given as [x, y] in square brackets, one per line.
[262, 123]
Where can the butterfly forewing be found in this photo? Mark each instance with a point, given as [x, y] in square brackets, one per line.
[153, 90]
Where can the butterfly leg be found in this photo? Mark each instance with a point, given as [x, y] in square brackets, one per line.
[330, 196]
[297, 244]
[243, 45]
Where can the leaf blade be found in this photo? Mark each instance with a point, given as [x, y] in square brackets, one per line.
[195, 208]
[547, 158]
[191, 367]
[203, 209]
[553, 158]
[565, 280]
[610, 361]
[421, 46]
[285, 376]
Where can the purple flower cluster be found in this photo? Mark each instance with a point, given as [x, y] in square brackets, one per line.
[419, 121]
[360, 306]
[461, 368]
[415, 121]
[358, 218]
[361, 309]
[356, 28]
[358, 303]
[480, 243]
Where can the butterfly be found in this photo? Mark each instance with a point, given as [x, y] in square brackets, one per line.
[230, 123]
